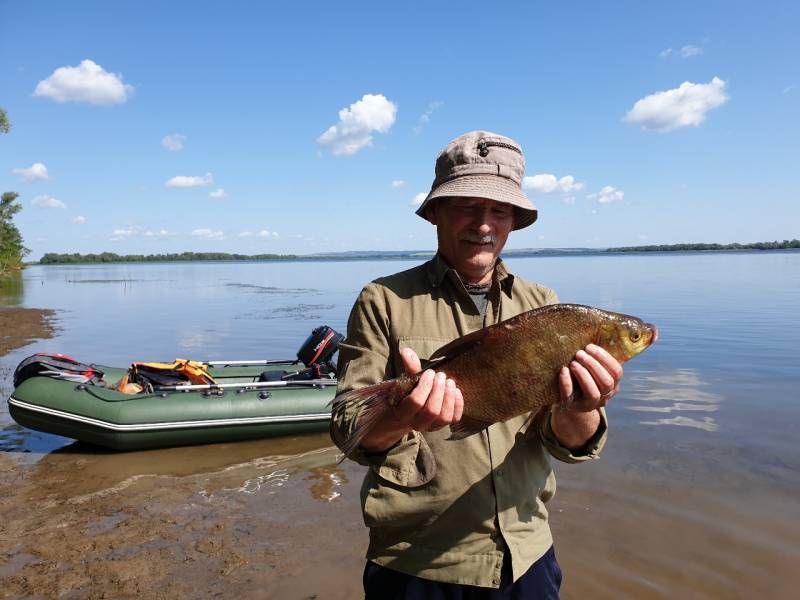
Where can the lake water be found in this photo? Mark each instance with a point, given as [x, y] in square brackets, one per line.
[696, 492]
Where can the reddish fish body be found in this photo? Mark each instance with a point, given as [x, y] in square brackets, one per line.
[507, 369]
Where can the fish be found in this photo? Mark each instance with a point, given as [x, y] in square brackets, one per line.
[507, 369]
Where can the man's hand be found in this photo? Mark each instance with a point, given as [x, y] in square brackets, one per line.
[598, 375]
[435, 402]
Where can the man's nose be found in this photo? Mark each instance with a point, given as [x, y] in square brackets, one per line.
[481, 218]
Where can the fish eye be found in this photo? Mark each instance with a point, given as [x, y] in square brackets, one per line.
[635, 336]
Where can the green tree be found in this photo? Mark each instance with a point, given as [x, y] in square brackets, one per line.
[11, 249]
[5, 126]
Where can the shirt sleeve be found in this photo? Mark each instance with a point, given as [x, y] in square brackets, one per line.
[589, 451]
[365, 358]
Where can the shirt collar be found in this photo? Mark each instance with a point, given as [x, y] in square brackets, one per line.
[438, 269]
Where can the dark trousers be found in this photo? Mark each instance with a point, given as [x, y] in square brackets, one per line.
[541, 582]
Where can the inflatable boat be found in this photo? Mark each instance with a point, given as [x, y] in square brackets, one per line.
[182, 403]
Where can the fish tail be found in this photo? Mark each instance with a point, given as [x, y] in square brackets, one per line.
[372, 404]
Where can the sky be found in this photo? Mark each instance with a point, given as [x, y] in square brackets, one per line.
[305, 127]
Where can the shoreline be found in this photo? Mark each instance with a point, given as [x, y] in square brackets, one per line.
[22, 326]
[424, 255]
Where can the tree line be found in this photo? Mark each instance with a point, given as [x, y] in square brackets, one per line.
[52, 258]
[11, 249]
[776, 245]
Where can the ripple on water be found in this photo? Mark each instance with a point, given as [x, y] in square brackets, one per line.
[674, 391]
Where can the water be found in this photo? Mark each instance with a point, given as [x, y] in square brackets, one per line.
[702, 451]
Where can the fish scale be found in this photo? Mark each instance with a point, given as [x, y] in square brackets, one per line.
[507, 369]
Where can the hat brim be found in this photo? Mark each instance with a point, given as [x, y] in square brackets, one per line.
[491, 187]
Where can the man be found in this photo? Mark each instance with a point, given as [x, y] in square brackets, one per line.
[466, 518]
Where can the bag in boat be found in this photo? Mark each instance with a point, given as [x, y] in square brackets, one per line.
[144, 376]
[58, 366]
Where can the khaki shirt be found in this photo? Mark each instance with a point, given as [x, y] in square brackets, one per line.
[438, 509]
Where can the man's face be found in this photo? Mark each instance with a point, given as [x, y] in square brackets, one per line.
[471, 234]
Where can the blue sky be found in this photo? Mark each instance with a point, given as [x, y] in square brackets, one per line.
[642, 123]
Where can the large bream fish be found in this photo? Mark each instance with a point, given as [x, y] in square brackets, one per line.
[507, 369]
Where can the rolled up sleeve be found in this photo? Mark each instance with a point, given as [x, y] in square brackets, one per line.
[589, 451]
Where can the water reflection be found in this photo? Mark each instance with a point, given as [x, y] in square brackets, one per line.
[675, 391]
[328, 480]
[11, 290]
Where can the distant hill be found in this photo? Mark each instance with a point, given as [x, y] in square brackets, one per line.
[110, 257]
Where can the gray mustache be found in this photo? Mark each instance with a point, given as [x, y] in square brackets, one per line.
[480, 239]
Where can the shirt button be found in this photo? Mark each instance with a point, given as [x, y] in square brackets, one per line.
[499, 472]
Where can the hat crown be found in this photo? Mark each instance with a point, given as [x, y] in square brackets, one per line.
[480, 153]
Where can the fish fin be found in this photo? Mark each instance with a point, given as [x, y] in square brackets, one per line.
[466, 427]
[373, 402]
[458, 346]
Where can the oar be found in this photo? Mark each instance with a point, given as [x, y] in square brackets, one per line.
[225, 363]
[254, 385]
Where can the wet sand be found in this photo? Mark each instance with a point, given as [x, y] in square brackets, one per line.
[280, 519]
[20, 326]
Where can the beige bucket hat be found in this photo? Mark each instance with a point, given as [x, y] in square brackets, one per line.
[482, 164]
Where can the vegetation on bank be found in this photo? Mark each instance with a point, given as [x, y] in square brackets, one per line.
[12, 250]
[784, 245]
[5, 126]
[52, 258]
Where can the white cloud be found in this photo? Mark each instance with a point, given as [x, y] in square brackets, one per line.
[218, 195]
[45, 201]
[191, 181]
[680, 107]
[36, 172]
[607, 194]
[173, 142]
[788, 89]
[245, 234]
[690, 51]
[397, 183]
[425, 117]
[547, 183]
[88, 82]
[124, 232]
[267, 234]
[418, 199]
[79, 220]
[687, 51]
[208, 234]
[373, 113]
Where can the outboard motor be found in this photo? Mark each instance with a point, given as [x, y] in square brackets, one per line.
[318, 349]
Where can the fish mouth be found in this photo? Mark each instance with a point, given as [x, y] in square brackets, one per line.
[654, 329]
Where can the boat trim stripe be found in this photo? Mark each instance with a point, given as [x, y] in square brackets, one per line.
[170, 425]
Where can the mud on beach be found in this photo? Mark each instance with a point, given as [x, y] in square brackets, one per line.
[280, 519]
[265, 519]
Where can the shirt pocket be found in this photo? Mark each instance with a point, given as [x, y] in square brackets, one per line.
[423, 346]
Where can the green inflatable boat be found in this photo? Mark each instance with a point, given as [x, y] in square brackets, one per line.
[236, 400]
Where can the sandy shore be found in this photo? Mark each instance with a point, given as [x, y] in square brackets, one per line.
[280, 519]
[20, 326]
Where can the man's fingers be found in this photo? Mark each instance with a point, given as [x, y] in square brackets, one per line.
[411, 361]
[458, 406]
[586, 382]
[565, 385]
[433, 405]
[448, 407]
[408, 408]
[603, 379]
[610, 364]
